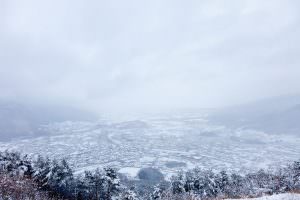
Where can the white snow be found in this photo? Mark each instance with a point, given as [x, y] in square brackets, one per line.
[287, 196]
[129, 171]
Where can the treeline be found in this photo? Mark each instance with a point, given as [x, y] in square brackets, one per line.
[206, 184]
[42, 178]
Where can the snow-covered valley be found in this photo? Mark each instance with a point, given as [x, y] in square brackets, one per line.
[170, 143]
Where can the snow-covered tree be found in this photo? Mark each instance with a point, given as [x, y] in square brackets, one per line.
[157, 193]
[236, 185]
[15, 164]
[20, 188]
[295, 168]
[129, 195]
[112, 183]
[178, 183]
[222, 182]
[42, 167]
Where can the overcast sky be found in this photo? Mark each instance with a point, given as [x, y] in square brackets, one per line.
[133, 54]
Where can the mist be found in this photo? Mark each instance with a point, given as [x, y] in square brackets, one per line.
[159, 99]
[137, 56]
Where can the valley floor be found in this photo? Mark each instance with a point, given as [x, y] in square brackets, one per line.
[170, 144]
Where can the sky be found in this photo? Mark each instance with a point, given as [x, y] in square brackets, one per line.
[148, 55]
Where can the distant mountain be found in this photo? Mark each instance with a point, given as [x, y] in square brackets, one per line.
[275, 115]
[24, 120]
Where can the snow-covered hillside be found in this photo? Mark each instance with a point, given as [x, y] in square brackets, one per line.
[21, 120]
[277, 115]
[287, 196]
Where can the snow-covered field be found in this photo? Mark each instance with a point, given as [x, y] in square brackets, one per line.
[287, 196]
[169, 143]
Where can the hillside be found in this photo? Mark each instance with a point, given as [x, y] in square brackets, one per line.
[23, 120]
[287, 196]
[279, 115]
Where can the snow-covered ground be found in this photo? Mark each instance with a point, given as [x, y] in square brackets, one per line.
[171, 143]
[287, 196]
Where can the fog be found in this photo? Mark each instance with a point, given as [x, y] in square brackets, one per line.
[109, 56]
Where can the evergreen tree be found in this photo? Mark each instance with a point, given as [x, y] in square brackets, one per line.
[236, 185]
[223, 183]
[112, 183]
[130, 195]
[296, 174]
[178, 184]
[42, 170]
[157, 193]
